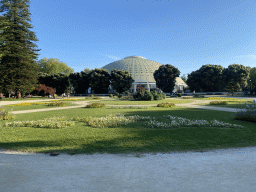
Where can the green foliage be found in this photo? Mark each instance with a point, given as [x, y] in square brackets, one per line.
[165, 77]
[57, 104]
[143, 95]
[110, 95]
[91, 95]
[18, 70]
[166, 105]
[253, 77]
[198, 96]
[80, 81]
[127, 93]
[248, 114]
[158, 96]
[58, 81]
[208, 78]
[99, 80]
[235, 77]
[121, 80]
[5, 114]
[96, 105]
[52, 66]
[179, 95]
[119, 96]
[116, 94]
[218, 103]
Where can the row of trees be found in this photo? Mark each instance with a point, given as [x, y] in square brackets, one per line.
[212, 78]
[98, 80]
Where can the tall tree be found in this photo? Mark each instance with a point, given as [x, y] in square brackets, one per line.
[207, 78]
[80, 82]
[253, 77]
[121, 80]
[18, 67]
[237, 74]
[165, 77]
[53, 66]
[99, 80]
[184, 78]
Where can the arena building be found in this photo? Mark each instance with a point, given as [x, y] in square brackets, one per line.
[142, 71]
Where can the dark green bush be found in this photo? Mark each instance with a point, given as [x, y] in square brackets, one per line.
[92, 95]
[116, 94]
[166, 105]
[198, 96]
[95, 105]
[218, 103]
[110, 95]
[179, 95]
[57, 104]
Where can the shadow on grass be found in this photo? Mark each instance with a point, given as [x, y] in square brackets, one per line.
[136, 138]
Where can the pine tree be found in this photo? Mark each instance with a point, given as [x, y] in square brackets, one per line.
[18, 61]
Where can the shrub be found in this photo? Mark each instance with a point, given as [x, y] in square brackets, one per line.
[97, 98]
[147, 96]
[127, 98]
[95, 105]
[127, 93]
[247, 114]
[4, 114]
[110, 95]
[198, 96]
[91, 95]
[116, 94]
[179, 95]
[218, 103]
[166, 105]
[43, 90]
[57, 104]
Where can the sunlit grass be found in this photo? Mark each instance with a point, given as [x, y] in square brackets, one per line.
[132, 137]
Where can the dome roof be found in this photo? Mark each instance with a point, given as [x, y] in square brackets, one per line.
[141, 69]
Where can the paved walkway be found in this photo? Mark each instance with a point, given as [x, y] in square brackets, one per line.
[84, 103]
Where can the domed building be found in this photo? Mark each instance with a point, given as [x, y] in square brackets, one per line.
[142, 71]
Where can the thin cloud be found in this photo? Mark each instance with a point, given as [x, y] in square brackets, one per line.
[245, 56]
[111, 57]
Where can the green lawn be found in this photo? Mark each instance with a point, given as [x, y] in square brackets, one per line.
[134, 137]
[35, 106]
[127, 102]
[239, 104]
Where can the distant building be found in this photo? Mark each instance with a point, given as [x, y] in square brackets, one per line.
[142, 71]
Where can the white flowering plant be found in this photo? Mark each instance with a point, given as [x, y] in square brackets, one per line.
[183, 122]
[248, 113]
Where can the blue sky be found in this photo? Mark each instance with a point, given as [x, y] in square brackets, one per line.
[184, 33]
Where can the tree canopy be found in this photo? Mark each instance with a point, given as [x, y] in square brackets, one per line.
[18, 67]
[207, 78]
[165, 77]
[121, 80]
[99, 80]
[53, 66]
[237, 74]
[253, 77]
[80, 82]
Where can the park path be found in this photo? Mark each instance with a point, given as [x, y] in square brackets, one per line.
[84, 103]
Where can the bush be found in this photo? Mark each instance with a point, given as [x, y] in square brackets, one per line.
[166, 105]
[127, 93]
[218, 103]
[198, 96]
[247, 114]
[119, 96]
[147, 96]
[57, 104]
[110, 95]
[43, 90]
[95, 105]
[116, 94]
[91, 95]
[4, 114]
[179, 95]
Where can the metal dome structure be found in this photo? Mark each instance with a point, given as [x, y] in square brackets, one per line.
[142, 70]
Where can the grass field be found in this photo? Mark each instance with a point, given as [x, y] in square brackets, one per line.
[134, 137]
[239, 104]
[36, 105]
[125, 102]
